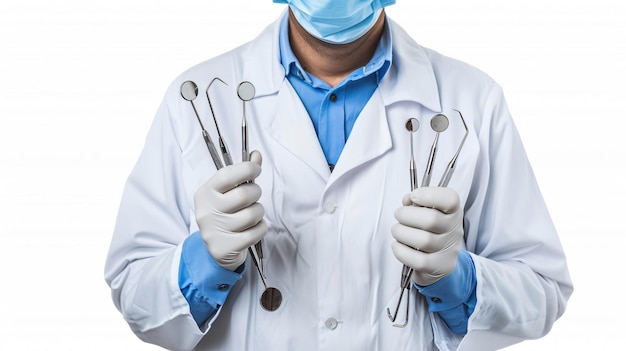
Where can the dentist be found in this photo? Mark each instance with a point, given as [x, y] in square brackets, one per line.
[335, 83]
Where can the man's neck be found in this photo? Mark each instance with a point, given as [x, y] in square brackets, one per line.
[333, 62]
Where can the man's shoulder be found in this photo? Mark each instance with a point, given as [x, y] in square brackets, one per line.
[443, 66]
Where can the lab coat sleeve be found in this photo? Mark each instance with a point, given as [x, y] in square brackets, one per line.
[523, 281]
[143, 261]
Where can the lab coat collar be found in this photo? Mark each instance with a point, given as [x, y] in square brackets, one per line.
[291, 127]
[262, 64]
[410, 78]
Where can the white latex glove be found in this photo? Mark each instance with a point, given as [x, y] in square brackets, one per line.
[228, 214]
[428, 233]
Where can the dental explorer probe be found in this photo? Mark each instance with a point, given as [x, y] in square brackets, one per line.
[228, 160]
[189, 92]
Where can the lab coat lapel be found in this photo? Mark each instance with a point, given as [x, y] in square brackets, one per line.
[292, 128]
[288, 122]
[410, 78]
[370, 138]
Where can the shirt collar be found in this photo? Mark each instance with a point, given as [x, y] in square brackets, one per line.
[379, 63]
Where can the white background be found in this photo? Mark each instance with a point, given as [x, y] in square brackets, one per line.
[81, 80]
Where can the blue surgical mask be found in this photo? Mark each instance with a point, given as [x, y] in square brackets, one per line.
[337, 21]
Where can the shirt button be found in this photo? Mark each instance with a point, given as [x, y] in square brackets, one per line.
[330, 206]
[331, 323]
[332, 97]
[435, 299]
[222, 287]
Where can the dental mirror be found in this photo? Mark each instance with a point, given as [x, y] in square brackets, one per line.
[189, 90]
[412, 125]
[246, 91]
[439, 123]
[271, 299]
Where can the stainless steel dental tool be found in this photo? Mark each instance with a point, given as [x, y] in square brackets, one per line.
[411, 125]
[438, 123]
[271, 298]
[445, 179]
[189, 92]
[228, 160]
[246, 92]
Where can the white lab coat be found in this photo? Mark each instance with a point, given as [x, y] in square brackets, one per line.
[328, 248]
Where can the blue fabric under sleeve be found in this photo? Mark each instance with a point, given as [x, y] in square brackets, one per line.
[334, 110]
[453, 297]
[204, 283]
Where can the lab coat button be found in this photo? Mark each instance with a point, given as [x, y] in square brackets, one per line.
[222, 287]
[331, 323]
[330, 206]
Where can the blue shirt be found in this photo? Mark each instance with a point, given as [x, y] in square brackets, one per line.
[333, 111]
